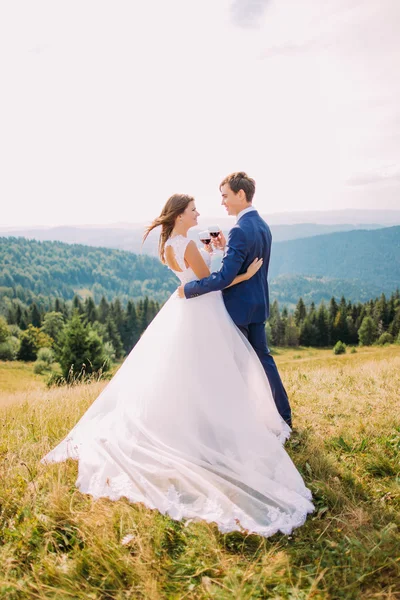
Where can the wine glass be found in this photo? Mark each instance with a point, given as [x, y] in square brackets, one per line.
[205, 237]
[214, 231]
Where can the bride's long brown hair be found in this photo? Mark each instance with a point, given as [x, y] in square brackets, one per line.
[174, 207]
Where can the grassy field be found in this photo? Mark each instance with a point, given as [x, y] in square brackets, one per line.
[57, 543]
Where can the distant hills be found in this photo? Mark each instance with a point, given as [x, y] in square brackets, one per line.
[369, 256]
[130, 238]
[358, 264]
[58, 269]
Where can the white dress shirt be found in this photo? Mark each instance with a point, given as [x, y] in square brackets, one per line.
[243, 212]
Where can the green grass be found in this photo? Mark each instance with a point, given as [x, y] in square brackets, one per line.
[18, 377]
[57, 543]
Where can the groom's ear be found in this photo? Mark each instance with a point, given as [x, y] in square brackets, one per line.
[242, 195]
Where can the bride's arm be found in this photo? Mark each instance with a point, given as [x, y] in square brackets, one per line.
[195, 261]
[252, 270]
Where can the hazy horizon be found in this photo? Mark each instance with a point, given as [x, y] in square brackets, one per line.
[332, 217]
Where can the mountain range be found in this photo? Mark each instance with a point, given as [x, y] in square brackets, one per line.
[359, 264]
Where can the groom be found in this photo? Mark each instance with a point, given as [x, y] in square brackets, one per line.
[248, 302]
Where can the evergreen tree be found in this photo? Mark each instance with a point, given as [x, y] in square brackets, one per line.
[24, 320]
[77, 305]
[143, 315]
[308, 333]
[333, 309]
[340, 329]
[352, 333]
[312, 314]
[368, 332]
[28, 349]
[18, 315]
[35, 316]
[117, 313]
[277, 326]
[113, 336]
[57, 305]
[300, 312]
[381, 313]
[82, 349]
[90, 310]
[131, 327]
[292, 333]
[322, 324]
[103, 310]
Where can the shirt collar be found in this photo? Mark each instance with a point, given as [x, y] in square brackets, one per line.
[244, 212]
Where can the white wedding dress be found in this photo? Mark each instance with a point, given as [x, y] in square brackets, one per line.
[188, 425]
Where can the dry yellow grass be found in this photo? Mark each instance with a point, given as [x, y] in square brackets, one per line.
[57, 543]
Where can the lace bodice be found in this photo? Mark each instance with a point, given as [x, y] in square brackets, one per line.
[178, 244]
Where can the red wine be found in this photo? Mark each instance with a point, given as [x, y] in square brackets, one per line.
[206, 241]
[215, 234]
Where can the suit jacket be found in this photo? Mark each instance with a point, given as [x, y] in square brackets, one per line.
[247, 302]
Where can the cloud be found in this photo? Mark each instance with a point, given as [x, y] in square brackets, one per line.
[248, 13]
[389, 173]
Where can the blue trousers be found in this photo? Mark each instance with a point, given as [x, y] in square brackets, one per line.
[255, 333]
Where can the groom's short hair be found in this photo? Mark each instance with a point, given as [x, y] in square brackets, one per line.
[240, 181]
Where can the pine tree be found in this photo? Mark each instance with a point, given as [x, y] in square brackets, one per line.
[57, 305]
[312, 314]
[368, 332]
[381, 312]
[322, 324]
[24, 320]
[117, 314]
[333, 309]
[352, 333]
[292, 333]
[103, 310]
[308, 333]
[277, 326]
[77, 305]
[90, 310]
[82, 349]
[144, 315]
[35, 316]
[18, 315]
[340, 330]
[300, 312]
[131, 327]
[113, 336]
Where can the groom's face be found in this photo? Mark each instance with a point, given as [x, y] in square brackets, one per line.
[232, 202]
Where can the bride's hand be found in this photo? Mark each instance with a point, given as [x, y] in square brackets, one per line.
[254, 267]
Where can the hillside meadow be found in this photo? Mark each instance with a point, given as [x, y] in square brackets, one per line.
[56, 543]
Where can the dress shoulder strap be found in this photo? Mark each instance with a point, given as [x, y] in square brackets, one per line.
[178, 244]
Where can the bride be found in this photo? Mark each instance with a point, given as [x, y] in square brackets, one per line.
[188, 425]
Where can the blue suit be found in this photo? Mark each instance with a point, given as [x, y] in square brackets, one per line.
[248, 302]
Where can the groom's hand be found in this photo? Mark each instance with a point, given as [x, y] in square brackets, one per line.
[220, 241]
[181, 291]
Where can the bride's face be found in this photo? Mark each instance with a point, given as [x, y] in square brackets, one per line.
[189, 217]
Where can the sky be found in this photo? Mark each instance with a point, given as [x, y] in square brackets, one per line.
[107, 108]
